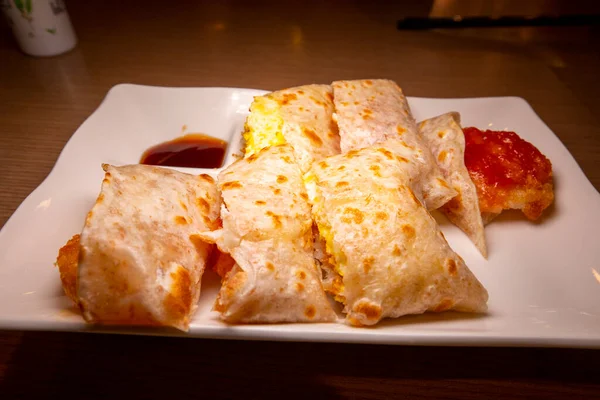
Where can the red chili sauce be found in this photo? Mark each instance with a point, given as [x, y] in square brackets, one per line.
[503, 159]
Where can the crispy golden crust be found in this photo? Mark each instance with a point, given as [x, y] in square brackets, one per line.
[67, 261]
[532, 199]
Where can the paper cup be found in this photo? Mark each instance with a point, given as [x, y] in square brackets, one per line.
[41, 27]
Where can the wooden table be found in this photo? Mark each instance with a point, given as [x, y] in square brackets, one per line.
[265, 45]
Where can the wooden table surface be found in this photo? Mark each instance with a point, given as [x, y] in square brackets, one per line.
[269, 46]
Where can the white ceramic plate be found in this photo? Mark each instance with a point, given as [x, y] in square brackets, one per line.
[541, 277]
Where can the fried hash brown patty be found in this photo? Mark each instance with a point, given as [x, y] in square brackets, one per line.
[508, 172]
[67, 260]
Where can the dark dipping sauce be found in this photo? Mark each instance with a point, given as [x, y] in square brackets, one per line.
[194, 150]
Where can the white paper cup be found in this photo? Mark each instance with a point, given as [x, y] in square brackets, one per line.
[41, 27]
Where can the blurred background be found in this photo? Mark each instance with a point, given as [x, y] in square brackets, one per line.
[199, 36]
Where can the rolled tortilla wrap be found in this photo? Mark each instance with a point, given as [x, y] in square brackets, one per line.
[446, 140]
[372, 111]
[267, 229]
[140, 260]
[301, 117]
[389, 257]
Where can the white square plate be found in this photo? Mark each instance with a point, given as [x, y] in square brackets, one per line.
[543, 278]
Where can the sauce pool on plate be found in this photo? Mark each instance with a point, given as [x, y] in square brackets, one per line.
[194, 150]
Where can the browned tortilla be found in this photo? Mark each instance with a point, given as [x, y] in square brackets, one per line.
[387, 256]
[267, 230]
[141, 259]
[370, 112]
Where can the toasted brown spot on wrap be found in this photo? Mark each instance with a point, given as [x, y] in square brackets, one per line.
[371, 311]
[368, 263]
[180, 220]
[314, 139]
[355, 214]
[232, 185]
[207, 178]
[310, 312]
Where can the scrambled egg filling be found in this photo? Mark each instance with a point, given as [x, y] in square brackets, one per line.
[337, 260]
[337, 257]
[263, 126]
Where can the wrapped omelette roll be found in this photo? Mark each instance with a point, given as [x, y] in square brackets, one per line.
[446, 140]
[141, 260]
[301, 117]
[387, 255]
[372, 111]
[267, 229]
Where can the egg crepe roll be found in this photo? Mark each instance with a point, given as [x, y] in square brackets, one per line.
[446, 140]
[301, 117]
[371, 111]
[267, 230]
[388, 255]
[140, 259]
